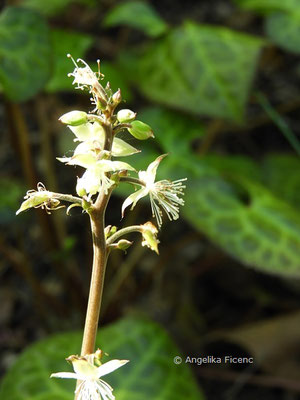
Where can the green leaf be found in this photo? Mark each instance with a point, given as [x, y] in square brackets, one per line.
[284, 29]
[280, 174]
[65, 42]
[47, 8]
[53, 7]
[246, 220]
[173, 131]
[139, 15]
[201, 69]
[230, 165]
[25, 51]
[151, 373]
[267, 6]
[282, 24]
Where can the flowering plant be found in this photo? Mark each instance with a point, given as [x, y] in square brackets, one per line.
[98, 147]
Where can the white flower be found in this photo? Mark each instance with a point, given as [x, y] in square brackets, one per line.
[83, 76]
[164, 193]
[92, 135]
[95, 177]
[89, 154]
[40, 198]
[91, 386]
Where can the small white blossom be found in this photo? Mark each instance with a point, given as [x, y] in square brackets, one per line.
[95, 177]
[40, 198]
[163, 194]
[91, 386]
[83, 76]
[93, 135]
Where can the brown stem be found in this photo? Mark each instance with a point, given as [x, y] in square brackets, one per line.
[97, 281]
[99, 261]
[97, 216]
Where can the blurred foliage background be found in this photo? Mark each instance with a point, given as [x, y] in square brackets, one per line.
[218, 81]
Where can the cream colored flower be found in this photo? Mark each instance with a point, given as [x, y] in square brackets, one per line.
[83, 76]
[95, 177]
[92, 136]
[91, 386]
[163, 194]
[40, 198]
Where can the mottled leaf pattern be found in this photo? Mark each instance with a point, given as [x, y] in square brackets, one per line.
[282, 23]
[201, 69]
[248, 221]
[151, 373]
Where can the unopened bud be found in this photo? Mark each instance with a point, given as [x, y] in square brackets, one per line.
[123, 244]
[109, 230]
[149, 234]
[126, 116]
[140, 130]
[117, 98]
[74, 118]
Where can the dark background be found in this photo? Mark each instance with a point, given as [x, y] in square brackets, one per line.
[209, 301]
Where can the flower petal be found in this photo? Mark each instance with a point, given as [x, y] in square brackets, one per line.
[83, 160]
[98, 133]
[134, 198]
[34, 200]
[64, 159]
[110, 366]
[65, 375]
[85, 369]
[108, 166]
[88, 183]
[82, 132]
[152, 168]
[120, 148]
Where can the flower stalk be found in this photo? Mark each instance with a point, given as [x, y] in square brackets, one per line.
[98, 147]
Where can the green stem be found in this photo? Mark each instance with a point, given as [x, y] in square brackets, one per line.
[134, 181]
[93, 117]
[279, 121]
[67, 197]
[121, 127]
[123, 232]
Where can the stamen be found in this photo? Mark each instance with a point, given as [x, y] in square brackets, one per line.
[69, 56]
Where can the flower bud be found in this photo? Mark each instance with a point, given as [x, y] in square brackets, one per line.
[74, 118]
[117, 98]
[149, 233]
[123, 244]
[126, 116]
[140, 130]
[109, 230]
